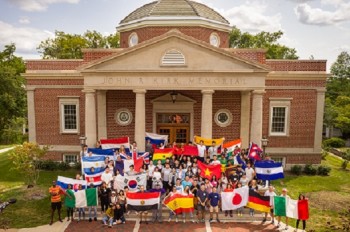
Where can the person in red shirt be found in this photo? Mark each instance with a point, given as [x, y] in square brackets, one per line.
[56, 201]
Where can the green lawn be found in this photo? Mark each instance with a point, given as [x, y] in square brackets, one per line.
[328, 196]
[6, 146]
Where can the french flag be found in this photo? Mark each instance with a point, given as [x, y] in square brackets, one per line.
[156, 139]
[116, 143]
[63, 182]
[93, 167]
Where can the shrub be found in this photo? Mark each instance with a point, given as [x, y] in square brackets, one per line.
[333, 142]
[310, 170]
[324, 154]
[346, 155]
[344, 165]
[63, 166]
[50, 165]
[296, 169]
[323, 170]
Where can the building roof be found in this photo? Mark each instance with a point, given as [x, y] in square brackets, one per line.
[174, 8]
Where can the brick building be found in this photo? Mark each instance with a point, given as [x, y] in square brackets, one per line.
[175, 74]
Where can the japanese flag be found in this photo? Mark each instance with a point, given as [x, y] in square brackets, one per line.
[236, 199]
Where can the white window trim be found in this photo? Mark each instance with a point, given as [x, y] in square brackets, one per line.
[68, 101]
[280, 102]
[129, 39]
[217, 37]
[65, 155]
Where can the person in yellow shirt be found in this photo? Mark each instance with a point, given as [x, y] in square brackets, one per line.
[56, 201]
[109, 216]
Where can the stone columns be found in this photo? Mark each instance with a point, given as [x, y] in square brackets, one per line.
[319, 120]
[90, 117]
[207, 114]
[257, 116]
[245, 118]
[101, 114]
[31, 115]
[140, 118]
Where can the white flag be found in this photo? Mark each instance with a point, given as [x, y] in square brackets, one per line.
[236, 199]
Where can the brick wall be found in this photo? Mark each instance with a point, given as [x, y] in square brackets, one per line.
[55, 82]
[232, 102]
[297, 83]
[53, 64]
[200, 33]
[297, 65]
[302, 118]
[292, 159]
[47, 116]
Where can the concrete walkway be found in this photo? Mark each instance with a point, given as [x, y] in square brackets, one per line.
[6, 149]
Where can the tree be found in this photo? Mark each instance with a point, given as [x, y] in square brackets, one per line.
[24, 159]
[265, 40]
[69, 46]
[337, 107]
[12, 92]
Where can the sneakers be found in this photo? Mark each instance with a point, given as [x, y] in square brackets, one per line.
[210, 220]
[95, 219]
[231, 215]
[169, 220]
[109, 226]
[272, 222]
[218, 220]
[278, 225]
[226, 214]
[264, 220]
[184, 221]
[193, 221]
[128, 213]
[176, 220]
[90, 220]
[286, 228]
[51, 223]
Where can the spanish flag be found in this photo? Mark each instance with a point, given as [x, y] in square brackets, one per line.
[180, 203]
[162, 154]
[208, 171]
[258, 202]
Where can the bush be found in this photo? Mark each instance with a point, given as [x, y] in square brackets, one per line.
[296, 169]
[323, 170]
[324, 154]
[50, 165]
[310, 170]
[346, 155]
[344, 165]
[333, 142]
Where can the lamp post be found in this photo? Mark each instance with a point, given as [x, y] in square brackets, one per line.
[264, 143]
[82, 144]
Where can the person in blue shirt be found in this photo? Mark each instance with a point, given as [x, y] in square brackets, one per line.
[202, 197]
[214, 199]
[186, 182]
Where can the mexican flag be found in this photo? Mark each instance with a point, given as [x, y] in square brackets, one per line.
[231, 145]
[87, 197]
[298, 209]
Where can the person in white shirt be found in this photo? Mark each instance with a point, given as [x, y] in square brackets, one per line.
[250, 173]
[201, 151]
[270, 193]
[215, 160]
[213, 150]
[107, 177]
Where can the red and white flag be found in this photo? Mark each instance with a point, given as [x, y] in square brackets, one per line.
[116, 143]
[236, 199]
[254, 151]
[142, 201]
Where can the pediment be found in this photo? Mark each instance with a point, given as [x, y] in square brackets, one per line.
[168, 98]
[150, 56]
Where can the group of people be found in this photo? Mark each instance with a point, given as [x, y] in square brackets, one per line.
[179, 174]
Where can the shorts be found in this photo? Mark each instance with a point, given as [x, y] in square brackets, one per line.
[200, 207]
[214, 209]
[56, 205]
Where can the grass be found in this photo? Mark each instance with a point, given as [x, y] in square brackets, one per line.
[328, 195]
[27, 212]
[6, 146]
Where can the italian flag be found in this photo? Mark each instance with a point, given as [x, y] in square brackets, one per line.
[298, 209]
[85, 198]
[231, 145]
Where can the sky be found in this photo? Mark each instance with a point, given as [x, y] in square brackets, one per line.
[317, 28]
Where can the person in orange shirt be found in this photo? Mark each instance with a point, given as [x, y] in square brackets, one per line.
[56, 201]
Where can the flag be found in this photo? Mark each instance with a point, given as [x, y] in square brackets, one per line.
[132, 182]
[190, 150]
[102, 152]
[119, 165]
[93, 168]
[258, 202]
[136, 162]
[232, 145]
[157, 139]
[240, 161]
[162, 154]
[236, 199]
[268, 170]
[63, 182]
[208, 171]
[298, 209]
[254, 151]
[179, 203]
[142, 201]
[208, 142]
[144, 156]
[116, 143]
[86, 197]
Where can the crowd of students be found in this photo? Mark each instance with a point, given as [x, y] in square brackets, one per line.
[178, 175]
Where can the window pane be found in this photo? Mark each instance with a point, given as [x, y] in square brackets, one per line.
[278, 119]
[70, 117]
[71, 158]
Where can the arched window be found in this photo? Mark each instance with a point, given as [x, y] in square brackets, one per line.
[173, 57]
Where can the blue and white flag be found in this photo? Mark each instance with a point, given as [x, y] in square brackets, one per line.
[157, 139]
[102, 152]
[267, 170]
[63, 182]
[240, 161]
[132, 182]
[93, 165]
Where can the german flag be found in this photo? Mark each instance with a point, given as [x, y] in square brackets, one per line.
[179, 203]
[162, 154]
[258, 202]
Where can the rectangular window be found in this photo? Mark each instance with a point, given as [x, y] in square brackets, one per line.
[279, 116]
[70, 158]
[69, 115]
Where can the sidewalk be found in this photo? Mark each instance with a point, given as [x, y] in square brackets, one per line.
[6, 149]
[56, 227]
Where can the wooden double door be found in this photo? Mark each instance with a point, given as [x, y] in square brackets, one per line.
[178, 134]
